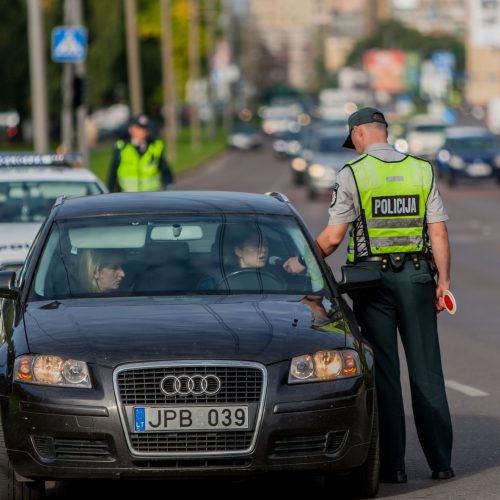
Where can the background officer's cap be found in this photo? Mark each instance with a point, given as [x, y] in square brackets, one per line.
[360, 117]
[140, 120]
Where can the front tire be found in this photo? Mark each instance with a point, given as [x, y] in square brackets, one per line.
[10, 487]
[363, 481]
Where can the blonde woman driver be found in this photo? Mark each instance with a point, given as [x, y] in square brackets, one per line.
[101, 270]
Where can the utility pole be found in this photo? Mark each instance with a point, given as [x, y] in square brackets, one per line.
[209, 42]
[169, 103]
[38, 77]
[194, 66]
[67, 122]
[81, 104]
[133, 60]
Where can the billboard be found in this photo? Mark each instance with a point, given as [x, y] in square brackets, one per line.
[485, 23]
[386, 69]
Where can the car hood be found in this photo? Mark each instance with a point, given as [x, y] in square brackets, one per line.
[15, 241]
[333, 160]
[111, 331]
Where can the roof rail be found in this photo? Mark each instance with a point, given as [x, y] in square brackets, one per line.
[59, 200]
[278, 196]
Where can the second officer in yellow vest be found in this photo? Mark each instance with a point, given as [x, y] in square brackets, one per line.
[394, 211]
[139, 164]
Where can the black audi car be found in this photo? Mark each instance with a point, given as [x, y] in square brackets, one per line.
[177, 335]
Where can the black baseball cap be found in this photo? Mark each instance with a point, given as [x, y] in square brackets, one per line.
[360, 117]
[140, 120]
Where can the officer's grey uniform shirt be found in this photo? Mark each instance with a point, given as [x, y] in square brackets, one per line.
[346, 208]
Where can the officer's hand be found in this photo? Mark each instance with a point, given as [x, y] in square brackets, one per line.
[440, 288]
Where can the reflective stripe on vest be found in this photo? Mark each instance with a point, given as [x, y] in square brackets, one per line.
[393, 199]
[139, 173]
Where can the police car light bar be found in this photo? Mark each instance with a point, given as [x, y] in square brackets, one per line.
[40, 160]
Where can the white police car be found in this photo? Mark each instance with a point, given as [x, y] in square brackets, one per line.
[29, 185]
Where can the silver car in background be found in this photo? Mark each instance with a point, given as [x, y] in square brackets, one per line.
[325, 158]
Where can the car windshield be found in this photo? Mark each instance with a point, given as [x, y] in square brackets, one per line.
[31, 201]
[168, 255]
[436, 129]
[474, 143]
[331, 144]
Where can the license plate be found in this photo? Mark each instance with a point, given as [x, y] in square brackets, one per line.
[479, 169]
[190, 418]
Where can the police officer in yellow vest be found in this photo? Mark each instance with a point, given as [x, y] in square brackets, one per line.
[395, 214]
[139, 164]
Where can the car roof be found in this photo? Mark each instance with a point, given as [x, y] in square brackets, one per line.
[162, 202]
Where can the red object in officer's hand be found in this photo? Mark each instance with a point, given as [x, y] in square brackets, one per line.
[450, 303]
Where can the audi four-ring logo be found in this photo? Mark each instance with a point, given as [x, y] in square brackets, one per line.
[190, 385]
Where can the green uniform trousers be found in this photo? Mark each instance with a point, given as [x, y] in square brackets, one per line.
[405, 302]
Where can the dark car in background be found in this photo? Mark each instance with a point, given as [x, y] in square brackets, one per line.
[193, 364]
[244, 136]
[288, 144]
[469, 153]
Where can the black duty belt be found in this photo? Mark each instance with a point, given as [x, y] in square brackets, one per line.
[395, 260]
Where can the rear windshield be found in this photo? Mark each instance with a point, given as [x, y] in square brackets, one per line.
[176, 255]
[31, 201]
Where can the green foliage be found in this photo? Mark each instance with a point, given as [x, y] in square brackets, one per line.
[392, 34]
[106, 61]
[150, 32]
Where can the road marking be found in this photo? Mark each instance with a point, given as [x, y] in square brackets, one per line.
[465, 389]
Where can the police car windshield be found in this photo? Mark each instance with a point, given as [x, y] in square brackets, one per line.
[31, 201]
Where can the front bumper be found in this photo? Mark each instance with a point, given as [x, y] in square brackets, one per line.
[52, 435]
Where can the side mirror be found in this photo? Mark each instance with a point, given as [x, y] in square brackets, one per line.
[359, 278]
[7, 288]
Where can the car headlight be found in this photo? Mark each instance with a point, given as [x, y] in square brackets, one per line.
[401, 145]
[456, 162]
[324, 365]
[299, 164]
[51, 370]
[444, 156]
[317, 170]
[497, 161]
[280, 146]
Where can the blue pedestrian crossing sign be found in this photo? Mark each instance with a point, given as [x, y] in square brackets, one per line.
[69, 43]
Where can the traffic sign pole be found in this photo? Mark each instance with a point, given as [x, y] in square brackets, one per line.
[69, 46]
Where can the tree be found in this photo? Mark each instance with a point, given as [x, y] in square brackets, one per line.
[392, 34]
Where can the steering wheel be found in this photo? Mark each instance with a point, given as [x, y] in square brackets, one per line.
[265, 279]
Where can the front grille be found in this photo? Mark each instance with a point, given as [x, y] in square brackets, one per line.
[142, 386]
[311, 444]
[72, 449]
[227, 463]
[194, 442]
[240, 383]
